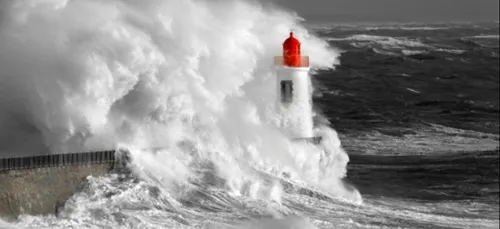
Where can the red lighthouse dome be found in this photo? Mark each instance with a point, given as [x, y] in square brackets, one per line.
[291, 46]
[291, 51]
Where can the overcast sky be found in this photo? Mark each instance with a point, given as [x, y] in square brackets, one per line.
[395, 10]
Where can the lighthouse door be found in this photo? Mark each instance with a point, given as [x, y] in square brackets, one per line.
[286, 91]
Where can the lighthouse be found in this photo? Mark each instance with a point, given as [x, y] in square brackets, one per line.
[294, 91]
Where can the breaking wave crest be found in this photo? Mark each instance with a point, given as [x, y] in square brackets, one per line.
[382, 40]
[192, 78]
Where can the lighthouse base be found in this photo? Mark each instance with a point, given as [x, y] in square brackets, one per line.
[314, 140]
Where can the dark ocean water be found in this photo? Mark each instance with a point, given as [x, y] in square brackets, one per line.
[401, 75]
[417, 106]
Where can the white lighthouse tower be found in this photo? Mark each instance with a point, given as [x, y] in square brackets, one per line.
[294, 91]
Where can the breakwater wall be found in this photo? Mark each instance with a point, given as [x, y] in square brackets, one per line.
[39, 185]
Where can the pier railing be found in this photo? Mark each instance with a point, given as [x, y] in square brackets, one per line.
[57, 160]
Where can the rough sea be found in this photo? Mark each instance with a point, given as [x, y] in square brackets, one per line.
[409, 114]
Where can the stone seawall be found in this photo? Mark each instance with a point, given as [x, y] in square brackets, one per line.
[38, 185]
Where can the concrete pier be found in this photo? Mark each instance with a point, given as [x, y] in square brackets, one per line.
[38, 185]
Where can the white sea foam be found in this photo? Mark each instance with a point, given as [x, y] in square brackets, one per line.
[409, 28]
[384, 41]
[452, 51]
[378, 26]
[385, 52]
[386, 45]
[495, 36]
[413, 52]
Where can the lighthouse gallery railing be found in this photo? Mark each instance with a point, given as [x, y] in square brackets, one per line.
[303, 61]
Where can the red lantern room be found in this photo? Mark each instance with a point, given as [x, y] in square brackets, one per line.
[291, 46]
[291, 51]
[291, 54]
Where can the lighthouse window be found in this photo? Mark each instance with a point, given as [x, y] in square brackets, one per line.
[286, 91]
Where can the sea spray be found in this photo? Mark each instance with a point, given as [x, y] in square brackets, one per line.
[192, 78]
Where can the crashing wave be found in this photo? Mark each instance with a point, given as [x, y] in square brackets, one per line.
[193, 78]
